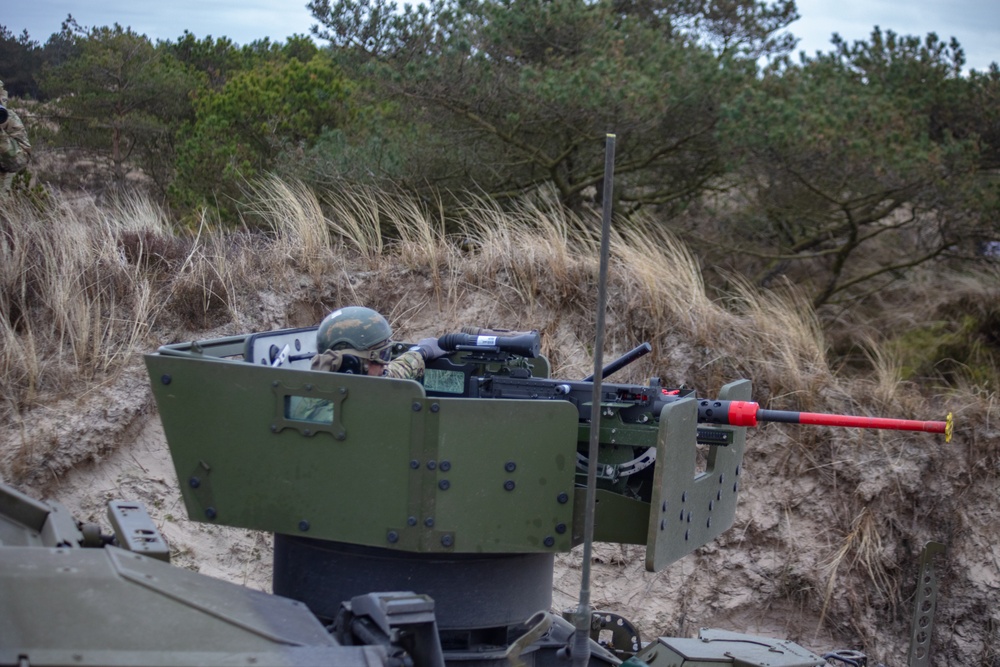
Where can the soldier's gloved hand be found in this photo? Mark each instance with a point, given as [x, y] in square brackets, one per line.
[429, 348]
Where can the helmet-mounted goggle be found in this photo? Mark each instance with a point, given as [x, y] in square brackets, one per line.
[381, 354]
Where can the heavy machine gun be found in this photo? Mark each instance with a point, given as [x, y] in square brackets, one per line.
[499, 372]
[638, 404]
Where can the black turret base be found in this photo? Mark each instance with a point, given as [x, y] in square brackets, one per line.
[476, 596]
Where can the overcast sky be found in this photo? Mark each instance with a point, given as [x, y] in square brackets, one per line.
[976, 23]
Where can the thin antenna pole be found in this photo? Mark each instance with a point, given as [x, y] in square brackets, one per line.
[584, 613]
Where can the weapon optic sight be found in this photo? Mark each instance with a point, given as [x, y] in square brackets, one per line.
[528, 345]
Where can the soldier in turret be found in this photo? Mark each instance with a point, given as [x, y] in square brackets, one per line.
[360, 339]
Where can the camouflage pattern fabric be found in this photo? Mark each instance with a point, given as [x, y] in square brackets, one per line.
[329, 361]
[15, 149]
[311, 409]
[355, 328]
[407, 366]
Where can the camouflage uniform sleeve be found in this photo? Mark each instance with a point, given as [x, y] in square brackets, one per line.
[15, 149]
[407, 366]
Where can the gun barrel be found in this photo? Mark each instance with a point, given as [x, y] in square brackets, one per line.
[622, 361]
[819, 419]
[746, 413]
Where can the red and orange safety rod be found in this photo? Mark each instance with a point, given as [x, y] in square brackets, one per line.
[748, 413]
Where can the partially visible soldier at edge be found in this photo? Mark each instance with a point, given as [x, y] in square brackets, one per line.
[15, 149]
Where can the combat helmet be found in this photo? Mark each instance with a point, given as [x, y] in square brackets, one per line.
[357, 331]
